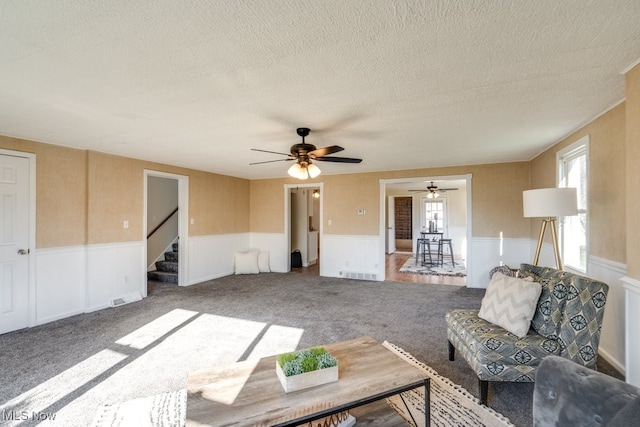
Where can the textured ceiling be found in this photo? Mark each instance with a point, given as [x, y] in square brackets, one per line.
[401, 84]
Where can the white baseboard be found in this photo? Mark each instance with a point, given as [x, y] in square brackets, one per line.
[59, 316]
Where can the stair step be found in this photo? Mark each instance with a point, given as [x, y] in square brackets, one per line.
[163, 276]
[174, 246]
[167, 266]
[171, 256]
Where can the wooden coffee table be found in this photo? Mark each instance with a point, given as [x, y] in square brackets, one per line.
[249, 393]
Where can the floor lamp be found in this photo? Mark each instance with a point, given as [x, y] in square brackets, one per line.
[549, 203]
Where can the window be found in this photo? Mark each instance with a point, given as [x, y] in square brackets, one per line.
[434, 211]
[573, 171]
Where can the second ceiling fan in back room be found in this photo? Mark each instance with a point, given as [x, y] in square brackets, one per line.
[305, 154]
[433, 191]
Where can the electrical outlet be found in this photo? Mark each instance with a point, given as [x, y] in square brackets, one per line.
[125, 224]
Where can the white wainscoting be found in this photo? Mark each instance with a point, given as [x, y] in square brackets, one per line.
[213, 256]
[612, 335]
[632, 310]
[485, 253]
[345, 253]
[61, 277]
[114, 271]
[276, 244]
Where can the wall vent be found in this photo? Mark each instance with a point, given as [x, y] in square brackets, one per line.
[125, 299]
[358, 275]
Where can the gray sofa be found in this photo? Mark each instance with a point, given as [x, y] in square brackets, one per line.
[566, 323]
[568, 394]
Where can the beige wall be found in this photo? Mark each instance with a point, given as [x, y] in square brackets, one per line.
[83, 197]
[219, 204]
[632, 175]
[496, 197]
[115, 194]
[607, 188]
[61, 189]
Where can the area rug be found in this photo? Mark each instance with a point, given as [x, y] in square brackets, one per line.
[161, 410]
[447, 269]
[451, 404]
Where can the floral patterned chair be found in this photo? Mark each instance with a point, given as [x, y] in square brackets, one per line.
[566, 323]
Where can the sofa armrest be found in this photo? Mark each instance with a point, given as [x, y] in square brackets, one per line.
[566, 393]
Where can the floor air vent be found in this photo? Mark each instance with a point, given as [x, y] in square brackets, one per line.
[358, 276]
[125, 299]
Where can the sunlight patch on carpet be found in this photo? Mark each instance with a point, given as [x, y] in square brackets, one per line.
[40, 397]
[277, 339]
[152, 331]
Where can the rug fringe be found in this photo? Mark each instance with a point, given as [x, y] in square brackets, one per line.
[458, 389]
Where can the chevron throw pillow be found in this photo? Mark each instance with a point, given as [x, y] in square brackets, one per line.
[510, 303]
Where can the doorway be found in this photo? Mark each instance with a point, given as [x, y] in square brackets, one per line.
[403, 223]
[448, 211]
[166, 222]
[17, 240]
[303, 227]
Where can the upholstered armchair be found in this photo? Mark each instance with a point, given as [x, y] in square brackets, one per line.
[566, 322]
[568, 394]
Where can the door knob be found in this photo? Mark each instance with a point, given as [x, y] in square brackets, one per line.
[23, 251]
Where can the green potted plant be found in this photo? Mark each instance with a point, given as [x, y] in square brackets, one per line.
[306, 368]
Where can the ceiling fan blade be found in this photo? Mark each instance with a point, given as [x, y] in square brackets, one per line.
[419, 191]
[338, 159]
[271, 161]
[447, 189]
[272, 152]
[325, 151]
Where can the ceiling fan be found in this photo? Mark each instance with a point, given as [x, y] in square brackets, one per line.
[304, 153]
[434, 191]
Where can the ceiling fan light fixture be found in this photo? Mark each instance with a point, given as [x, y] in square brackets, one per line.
[304, 170]
[303, 153]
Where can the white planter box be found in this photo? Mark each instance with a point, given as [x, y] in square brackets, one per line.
[308, 379]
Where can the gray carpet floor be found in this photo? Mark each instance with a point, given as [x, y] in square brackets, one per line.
[70, 367]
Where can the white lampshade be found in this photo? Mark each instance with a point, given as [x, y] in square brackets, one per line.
[298, 171]
[550, 202]
[313, 170]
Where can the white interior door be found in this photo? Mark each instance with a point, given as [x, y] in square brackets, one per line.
[391, 224]
[14, 243]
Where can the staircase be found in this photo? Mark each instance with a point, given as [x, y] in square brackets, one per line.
[167, 270]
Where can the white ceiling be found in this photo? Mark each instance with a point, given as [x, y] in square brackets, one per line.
[401, 84]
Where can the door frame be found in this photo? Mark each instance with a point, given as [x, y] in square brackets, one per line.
[287, 219]
[383, 217]
[32, 304]
[390, 235]
[183, 226]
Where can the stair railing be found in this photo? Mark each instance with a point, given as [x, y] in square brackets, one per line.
[157, 227]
